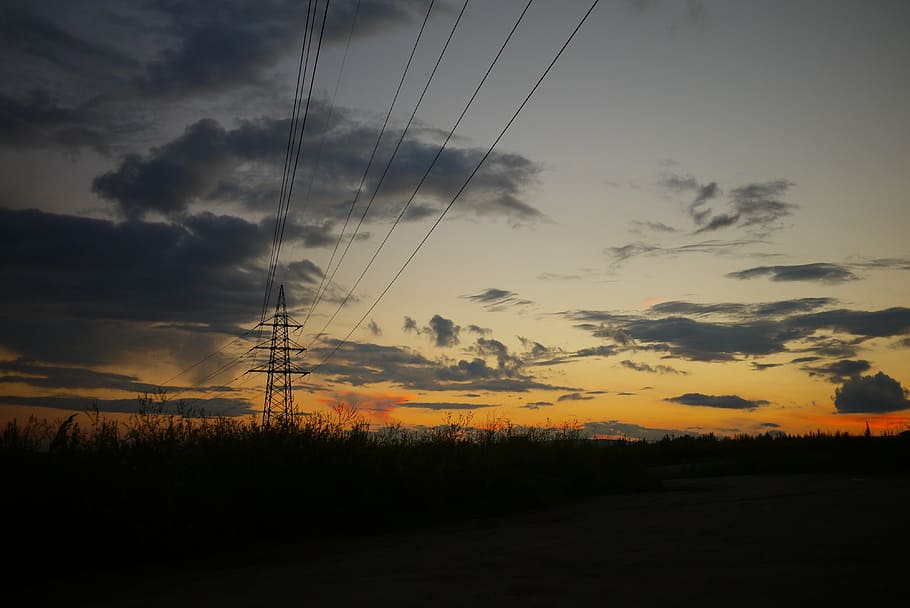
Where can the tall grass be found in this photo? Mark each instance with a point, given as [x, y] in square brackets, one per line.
[169, 482]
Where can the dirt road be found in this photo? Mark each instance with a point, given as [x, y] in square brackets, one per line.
[741, 541]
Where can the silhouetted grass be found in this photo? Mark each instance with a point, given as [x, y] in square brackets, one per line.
[165, 485]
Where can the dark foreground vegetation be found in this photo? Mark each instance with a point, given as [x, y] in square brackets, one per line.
[164, 486]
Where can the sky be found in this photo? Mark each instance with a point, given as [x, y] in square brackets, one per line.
[697, 223]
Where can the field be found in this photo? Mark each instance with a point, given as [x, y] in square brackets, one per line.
[328, 512]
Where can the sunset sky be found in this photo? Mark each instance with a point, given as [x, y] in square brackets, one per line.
[698, 223]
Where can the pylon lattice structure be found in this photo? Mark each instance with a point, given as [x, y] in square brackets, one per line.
[279, 391]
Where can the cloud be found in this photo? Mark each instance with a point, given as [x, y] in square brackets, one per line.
[37, 121]
[775, 309]
[624, 253]
[374, 328]
[574, 397]
[496, 300]
[215, 406]
[735, 330]
[653, 226]
[839, 371]
[57, 377]
[763, 366]
[221, 46]
[476, 329]
[444, 331]
[657, 369]
[442, 406]
[557, 276]
[361, 364]
[820, 271]
[757, 206]
[718, 401]
[102, 269]
[86, 291]
[536, 405]
[871, 394]
[559, 357]
[209, 163]
[886, 263]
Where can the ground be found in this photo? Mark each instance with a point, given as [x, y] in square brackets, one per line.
[746, 540]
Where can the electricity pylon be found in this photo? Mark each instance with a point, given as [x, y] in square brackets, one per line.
[279, 392]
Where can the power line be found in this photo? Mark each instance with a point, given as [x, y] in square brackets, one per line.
[295, 113]
[331, 115]
[372, 155]
[463, 186]
[299, 142]
[390, 161]
[427, 171]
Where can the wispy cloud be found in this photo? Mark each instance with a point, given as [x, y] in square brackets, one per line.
[822, 272]
[495, 300]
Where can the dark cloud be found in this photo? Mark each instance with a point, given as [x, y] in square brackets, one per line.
[655, 369]
[706, 193]
[41, 376]
[495, 300]
[763, 366]
[243, 166]
[758, 207]
[444, 331]
[183, 170]
[441, 331]
[476, 329]
[37, 121]
[745, 329]
[653, 226]
[215, 406]
[506, 361]
[100, 68]
[757, 310]
[840, 371]
[223, 46]
[718, 401]
[702, 193]
[574, 397]
[872, 324]
[87, 291]
[820, 271]
[871, 394]
[26, 33]
[374, 328]
[444, 405]
[363, 364]
[559, 357]
[536, 405]
[624, 253]
[535, 351]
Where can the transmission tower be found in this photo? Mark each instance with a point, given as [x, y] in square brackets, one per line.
[279, 392]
